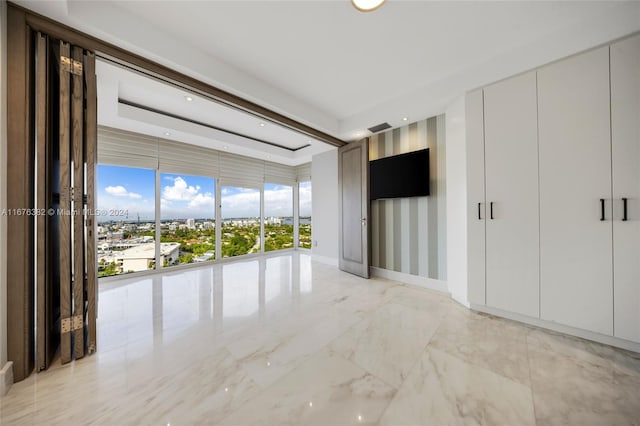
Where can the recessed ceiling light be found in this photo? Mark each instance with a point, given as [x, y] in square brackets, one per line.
[167, 134]
[225, 147]
[188, 98]
[261, 124]
[404, 118]
[367, 5]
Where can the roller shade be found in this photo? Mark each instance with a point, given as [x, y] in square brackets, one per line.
[279, 173]
[303, 172]
[122, 148]
[241, 171]
[176, 157]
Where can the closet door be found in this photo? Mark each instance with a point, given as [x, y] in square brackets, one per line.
[511, 175]
[475, 198]
[575, 192]
[625, 132]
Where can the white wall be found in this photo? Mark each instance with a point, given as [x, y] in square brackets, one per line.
[456, 179]
[6, 376]
[324, 190]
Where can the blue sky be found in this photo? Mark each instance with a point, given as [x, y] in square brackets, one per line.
[184, 196]
[127, 189]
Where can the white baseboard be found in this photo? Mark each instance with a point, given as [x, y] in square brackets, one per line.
[6, 378]
[584, 334]
[461, 300]
[418, 281]
[325, 259]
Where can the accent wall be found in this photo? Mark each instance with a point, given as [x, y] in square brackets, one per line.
[408, 235]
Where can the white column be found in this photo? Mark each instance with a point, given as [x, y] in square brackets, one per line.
[262, 219]
[296, 214]
[158, 233]
[218, 220]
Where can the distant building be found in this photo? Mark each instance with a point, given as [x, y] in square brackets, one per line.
[273, 221]
[204, 257]
[130, 227]
[243, 222]
[208, 225]
[140, 258]
[191, 223]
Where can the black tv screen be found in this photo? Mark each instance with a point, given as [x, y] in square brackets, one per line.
[404, 175]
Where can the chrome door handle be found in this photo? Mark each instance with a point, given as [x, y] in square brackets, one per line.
[363, 221]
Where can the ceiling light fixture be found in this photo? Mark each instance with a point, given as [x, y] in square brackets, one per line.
[367, 5]
[188, 98]
[404, 118]
[261, 124]
[167, 134]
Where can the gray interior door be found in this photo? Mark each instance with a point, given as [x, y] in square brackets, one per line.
[353, 178]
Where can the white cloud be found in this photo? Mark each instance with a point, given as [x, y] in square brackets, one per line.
[180, 191]
[278, 201]
[121, 191]
[202, 200]
[242, 204]
[305, 200]
[181, 200]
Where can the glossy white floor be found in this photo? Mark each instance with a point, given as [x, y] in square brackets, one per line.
[284, 340]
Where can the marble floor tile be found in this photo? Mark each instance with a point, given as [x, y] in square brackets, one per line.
[281, 339]
[389, 342]
[444, 390]
[579, 382]
[325, 390]
[489, 342]
[273, 352]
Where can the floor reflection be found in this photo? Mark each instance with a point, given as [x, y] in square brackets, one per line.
[284, 340]
[166, 305]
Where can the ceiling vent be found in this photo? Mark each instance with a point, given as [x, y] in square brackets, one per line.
[380, 127]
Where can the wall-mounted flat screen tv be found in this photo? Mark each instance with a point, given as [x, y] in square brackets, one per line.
[404, 175]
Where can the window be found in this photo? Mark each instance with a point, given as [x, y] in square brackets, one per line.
[187, 215]
[278, 217]
[240, 221]
[126, 220]
[304, 230]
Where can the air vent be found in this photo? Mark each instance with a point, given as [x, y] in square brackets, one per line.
[380, 127]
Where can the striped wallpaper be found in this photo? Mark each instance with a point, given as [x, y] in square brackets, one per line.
[409, 234]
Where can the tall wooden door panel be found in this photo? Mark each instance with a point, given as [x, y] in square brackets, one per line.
[64, 240]
[353, 178]
[91, 159]
[511, 164]
[65, 153]
[575, 187]
[625, 134]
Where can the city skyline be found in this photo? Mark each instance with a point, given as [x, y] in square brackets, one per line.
[183, 196]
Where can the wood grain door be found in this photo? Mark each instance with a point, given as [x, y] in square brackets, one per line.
[353, 180]
[64, 169]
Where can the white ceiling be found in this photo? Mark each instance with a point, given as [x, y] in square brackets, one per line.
[339, 70]
[131, 101]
